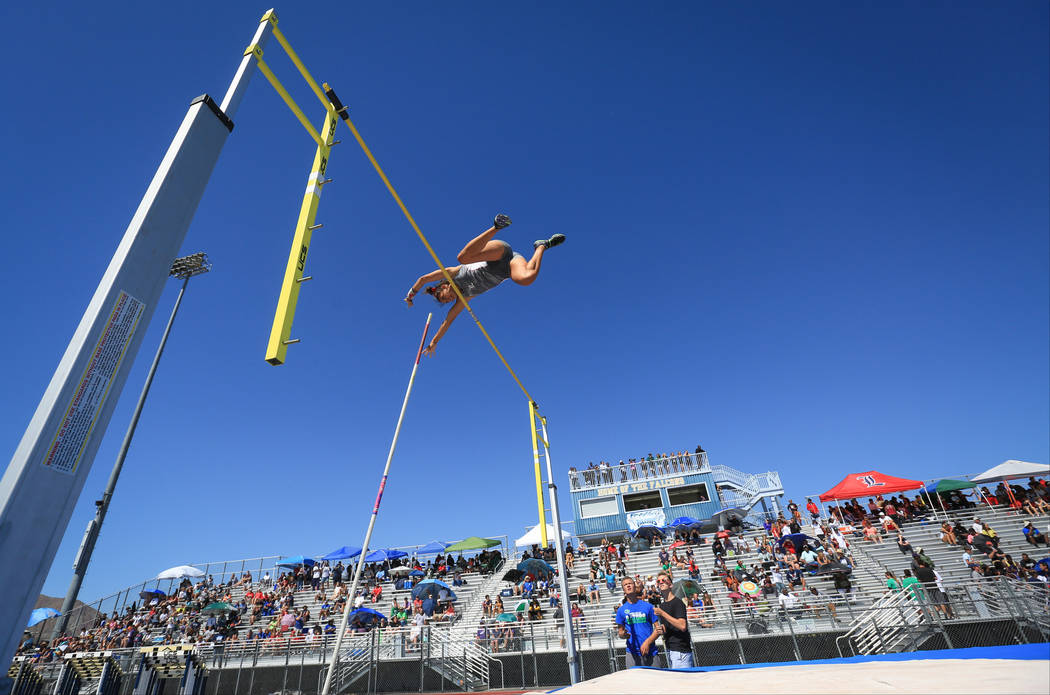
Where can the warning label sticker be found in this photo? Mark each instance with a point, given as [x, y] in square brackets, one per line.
[80, 417]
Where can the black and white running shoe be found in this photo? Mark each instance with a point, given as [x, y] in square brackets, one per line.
[501, 221]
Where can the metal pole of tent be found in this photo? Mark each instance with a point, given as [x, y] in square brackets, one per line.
[372, 521]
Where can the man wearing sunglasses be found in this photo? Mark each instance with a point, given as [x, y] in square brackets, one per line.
[672, 614]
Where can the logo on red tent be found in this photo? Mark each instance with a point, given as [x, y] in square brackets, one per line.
[869, 481]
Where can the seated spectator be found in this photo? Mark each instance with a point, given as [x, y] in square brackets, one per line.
[535, 612]
[581, 594]
[593, 593]
[1033, 536]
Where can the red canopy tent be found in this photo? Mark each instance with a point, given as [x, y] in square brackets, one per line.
[868, 484]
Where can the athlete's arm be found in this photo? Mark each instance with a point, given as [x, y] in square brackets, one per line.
[429, 277]
[449, 318]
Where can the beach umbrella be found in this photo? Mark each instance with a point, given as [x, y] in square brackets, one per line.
[535, 567]
[507, 618]
[417, 573]
[398, 571]
[218, 607]
[648, 532]
[684, 588]
[513, 575]
[472, 543]
[749, 587]
[684, 522]
[364, 617]
[39, 615]
[155, 593]
[432, 588]
[834, 568]
[797, 540]
[521, 607]
[181, 572]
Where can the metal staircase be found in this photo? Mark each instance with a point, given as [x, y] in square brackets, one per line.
[894, 623]
[459, 661]
[355, 659]
[745, 490]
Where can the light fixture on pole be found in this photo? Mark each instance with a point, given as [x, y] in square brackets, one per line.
[183, 269]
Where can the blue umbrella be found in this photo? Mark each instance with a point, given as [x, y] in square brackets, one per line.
[417, 573]
[797, 540]
[295, 561]
[536, 567]
[384, 554]
[149, 595]
[364, 617]
[39, 615]
[432, 588]
[344, 553]
[648, 532]
[683, 521]
[432, 548]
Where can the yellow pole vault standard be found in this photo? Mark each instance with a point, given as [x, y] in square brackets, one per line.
[539, 478]
[280, 334]
[342, 111]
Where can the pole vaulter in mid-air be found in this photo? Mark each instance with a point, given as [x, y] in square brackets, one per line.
[487, 262]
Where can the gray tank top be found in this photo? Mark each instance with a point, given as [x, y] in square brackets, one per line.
[475, 278]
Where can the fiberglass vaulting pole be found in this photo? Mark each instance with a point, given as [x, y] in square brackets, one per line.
[372, 521]
[46, 475]
[559, 552]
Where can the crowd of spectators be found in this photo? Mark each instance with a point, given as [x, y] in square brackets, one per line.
[265, 609]
[648, 466]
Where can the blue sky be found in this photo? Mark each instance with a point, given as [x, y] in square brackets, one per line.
[813, 238]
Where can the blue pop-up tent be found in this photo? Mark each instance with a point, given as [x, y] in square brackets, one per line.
[432, 548]
[384, 554]
[344, 553]
[295, 561]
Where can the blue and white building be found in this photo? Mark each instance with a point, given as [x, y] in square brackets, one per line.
[617, 499]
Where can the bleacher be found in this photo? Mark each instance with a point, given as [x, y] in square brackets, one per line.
[727, 616]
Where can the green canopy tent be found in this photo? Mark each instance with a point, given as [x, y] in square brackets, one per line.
[947, 485]
[472, 543]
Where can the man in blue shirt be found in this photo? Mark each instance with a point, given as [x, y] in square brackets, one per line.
[637, 623]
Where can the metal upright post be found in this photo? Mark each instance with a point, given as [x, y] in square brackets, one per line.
[572, 655]
[183, 268]
[46, 475]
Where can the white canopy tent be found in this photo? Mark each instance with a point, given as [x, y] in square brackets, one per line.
[533, 536]
[1008, 470]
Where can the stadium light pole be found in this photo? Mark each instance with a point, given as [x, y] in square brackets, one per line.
[183, 269]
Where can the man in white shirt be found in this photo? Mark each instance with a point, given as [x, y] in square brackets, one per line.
[787, 603]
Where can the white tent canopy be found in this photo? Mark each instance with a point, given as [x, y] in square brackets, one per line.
[1008, 470]
[181, 572]
[533, 536]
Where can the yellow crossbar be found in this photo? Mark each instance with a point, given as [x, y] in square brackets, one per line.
[433, 254]
[265, 69]
[302, 68]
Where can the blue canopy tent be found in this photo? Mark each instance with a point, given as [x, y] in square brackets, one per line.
[432, 548]
[344, 553]
[295, 561]
[384, 554]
